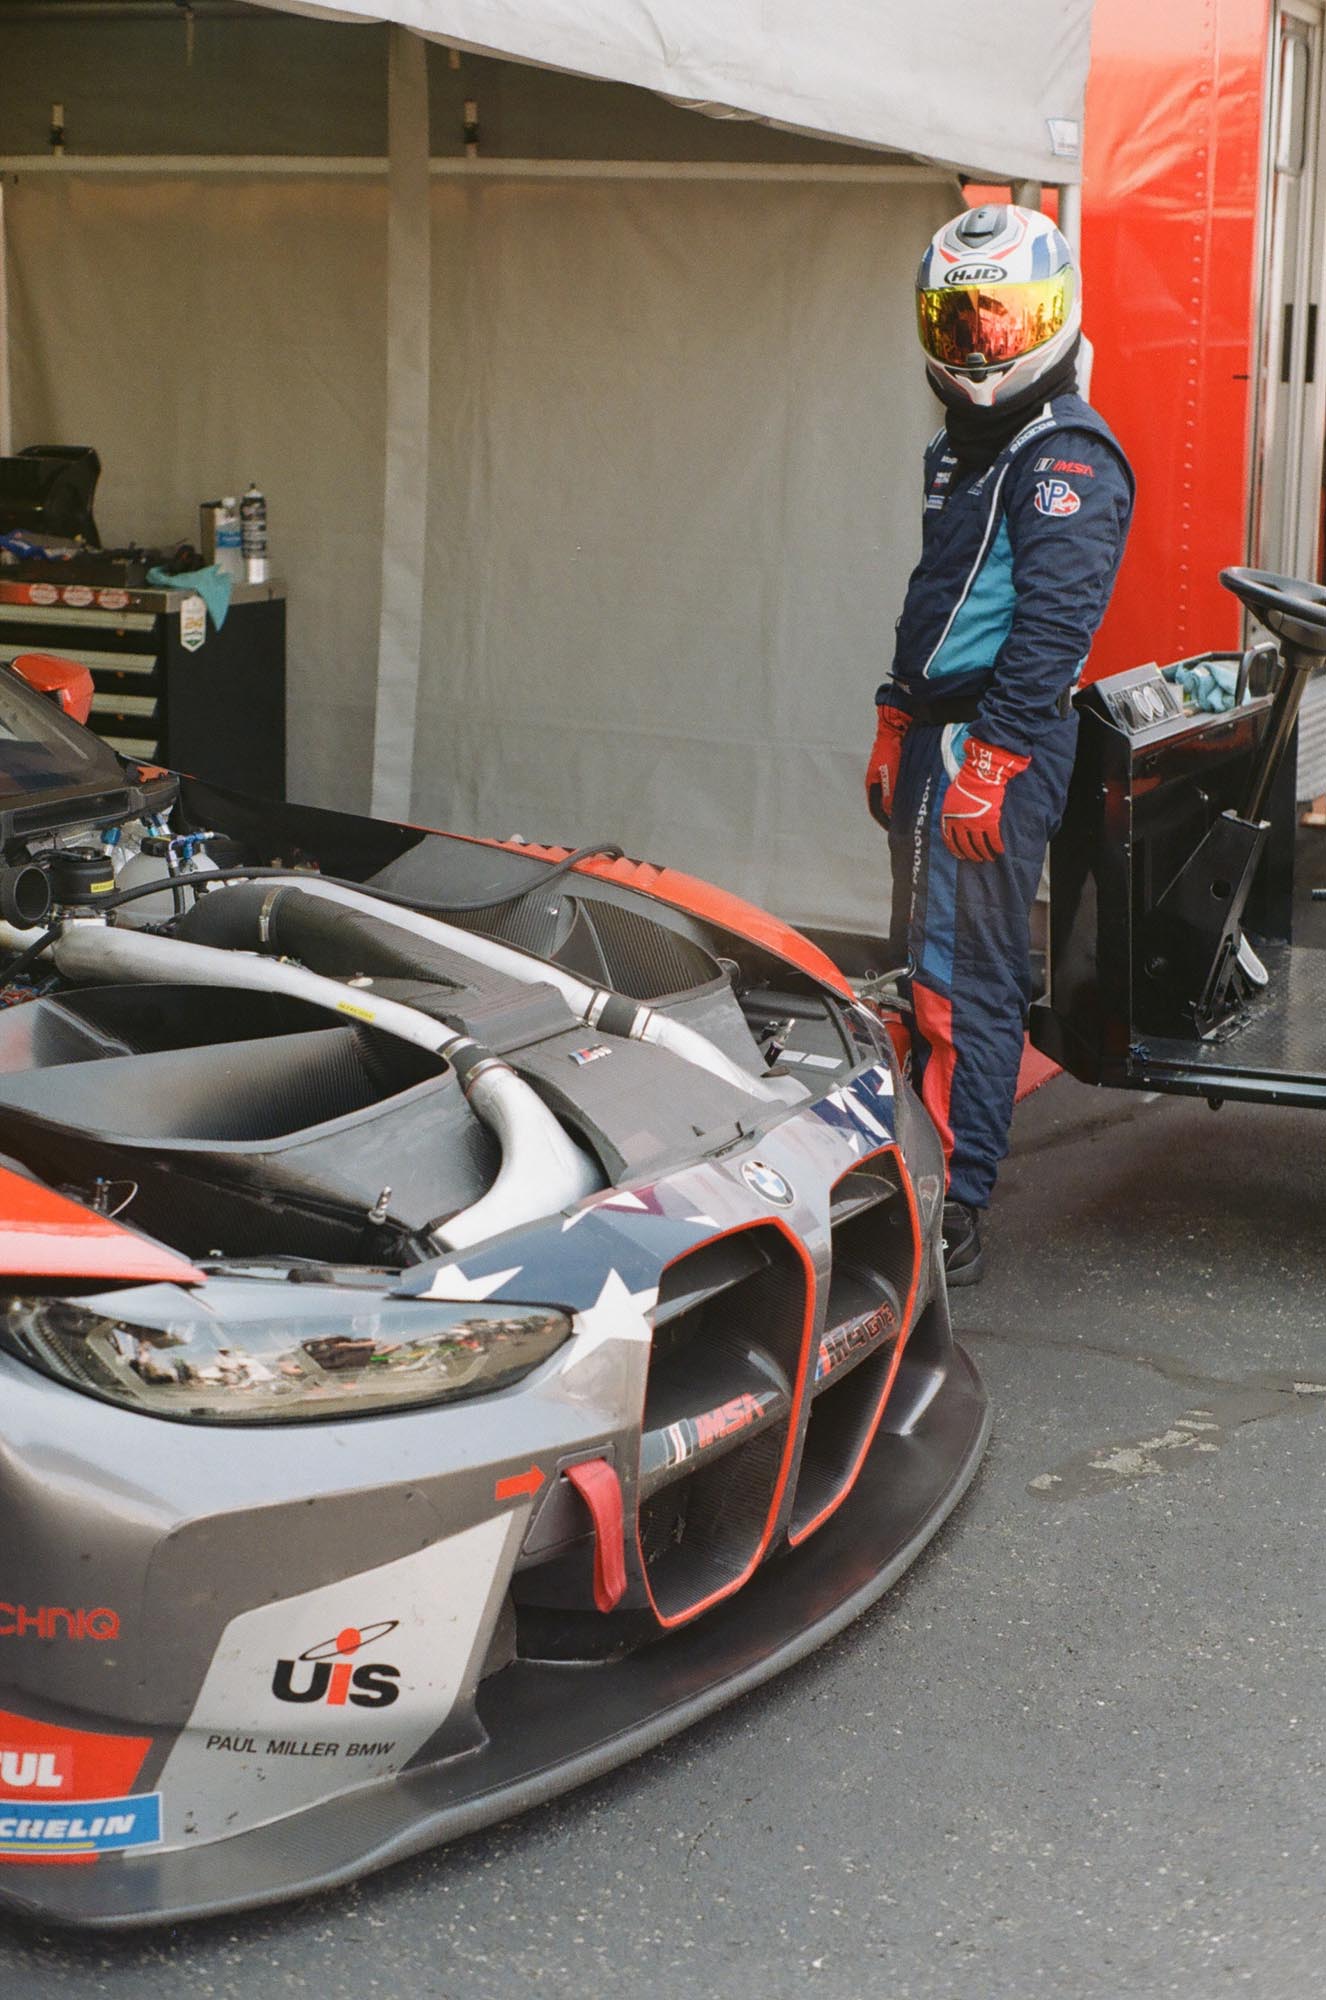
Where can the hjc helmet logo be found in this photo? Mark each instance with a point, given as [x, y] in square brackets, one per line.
[977, 274]
[332, 1679]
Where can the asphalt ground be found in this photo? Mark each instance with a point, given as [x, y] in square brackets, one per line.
[1079, 1750]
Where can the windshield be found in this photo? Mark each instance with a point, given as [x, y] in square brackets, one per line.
[41, 750]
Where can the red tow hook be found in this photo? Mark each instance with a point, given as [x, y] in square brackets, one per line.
[599, 1487]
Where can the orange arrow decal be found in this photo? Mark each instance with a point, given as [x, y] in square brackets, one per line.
[517, 1483]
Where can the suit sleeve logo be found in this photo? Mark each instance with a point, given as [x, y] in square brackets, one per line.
[1056, 497]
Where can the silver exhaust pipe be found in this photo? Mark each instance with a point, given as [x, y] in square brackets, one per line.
[542, 1170]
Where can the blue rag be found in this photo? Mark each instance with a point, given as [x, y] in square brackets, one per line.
[213, 585]
[1210, 686]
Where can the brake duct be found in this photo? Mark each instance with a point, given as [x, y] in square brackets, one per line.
[597, 1006]
[542, 1168]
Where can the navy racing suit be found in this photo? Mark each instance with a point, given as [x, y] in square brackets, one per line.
[1018, 560]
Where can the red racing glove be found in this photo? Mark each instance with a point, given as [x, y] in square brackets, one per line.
[974, 801]
[885, 757]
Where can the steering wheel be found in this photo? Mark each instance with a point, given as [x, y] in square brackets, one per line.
[1295, 611]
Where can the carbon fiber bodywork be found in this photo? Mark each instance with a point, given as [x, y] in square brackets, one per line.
[241, 1660]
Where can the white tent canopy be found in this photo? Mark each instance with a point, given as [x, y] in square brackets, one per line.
[994, 89]
[592, 459]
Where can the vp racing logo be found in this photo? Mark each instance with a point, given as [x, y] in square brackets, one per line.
[328, 1673]
[1056, 496]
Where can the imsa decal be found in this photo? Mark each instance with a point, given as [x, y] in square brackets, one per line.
[691, 1435]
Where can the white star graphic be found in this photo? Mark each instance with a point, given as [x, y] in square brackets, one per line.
[616, 1314]
[450, 1282]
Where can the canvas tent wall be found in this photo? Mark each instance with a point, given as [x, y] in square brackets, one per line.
[669, 475]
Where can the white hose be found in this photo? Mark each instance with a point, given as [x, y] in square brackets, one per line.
[542, 1168]
[586, 1001]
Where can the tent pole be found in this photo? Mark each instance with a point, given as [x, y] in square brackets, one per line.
[6, 433]
[405, 486]
[1070, 217]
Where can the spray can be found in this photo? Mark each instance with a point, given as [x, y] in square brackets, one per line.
[229, 556]
[253, 535]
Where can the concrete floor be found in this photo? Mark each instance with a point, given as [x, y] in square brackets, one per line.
[1080, 1750]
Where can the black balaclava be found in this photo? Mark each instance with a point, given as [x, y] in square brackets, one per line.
[976, 435]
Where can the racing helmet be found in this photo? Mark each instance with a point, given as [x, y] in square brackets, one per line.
[998, 304]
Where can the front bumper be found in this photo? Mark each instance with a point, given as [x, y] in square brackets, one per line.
[321, 1650]
[553, 1727]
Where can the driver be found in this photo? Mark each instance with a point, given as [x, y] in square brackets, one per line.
[1027, 503]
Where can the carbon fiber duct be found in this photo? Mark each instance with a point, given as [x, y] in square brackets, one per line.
[542, 1168]
[595, 1005]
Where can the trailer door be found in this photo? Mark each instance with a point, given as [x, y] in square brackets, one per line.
[1287, 497]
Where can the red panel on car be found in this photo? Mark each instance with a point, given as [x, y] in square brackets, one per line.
[46, 1235]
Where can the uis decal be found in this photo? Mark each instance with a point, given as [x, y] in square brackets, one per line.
[331, 1678]
[768, 1183]
[595, 1054]
[339, 1685]
[64, 1793]
[58, 1621]
[1056, 497]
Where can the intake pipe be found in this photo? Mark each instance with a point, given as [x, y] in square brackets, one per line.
[542, 1168]
[597, 1006]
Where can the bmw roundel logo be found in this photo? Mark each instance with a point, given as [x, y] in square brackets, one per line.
[767, 1182]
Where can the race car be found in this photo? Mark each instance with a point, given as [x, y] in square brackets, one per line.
[470, 1310]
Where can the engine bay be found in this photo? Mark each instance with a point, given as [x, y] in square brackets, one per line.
[284, 1033]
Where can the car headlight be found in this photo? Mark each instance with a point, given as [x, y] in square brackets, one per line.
[244, 1351]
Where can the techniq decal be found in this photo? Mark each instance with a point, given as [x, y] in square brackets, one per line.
[315, 1694]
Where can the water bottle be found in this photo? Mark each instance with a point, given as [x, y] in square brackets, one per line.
[253, 535]
[229, 555]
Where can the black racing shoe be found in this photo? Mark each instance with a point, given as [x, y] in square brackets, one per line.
[964, 1259]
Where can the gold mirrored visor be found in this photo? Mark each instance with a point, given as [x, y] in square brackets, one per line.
[980, 326]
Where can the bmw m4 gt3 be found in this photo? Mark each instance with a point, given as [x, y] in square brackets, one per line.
[467, 1311]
